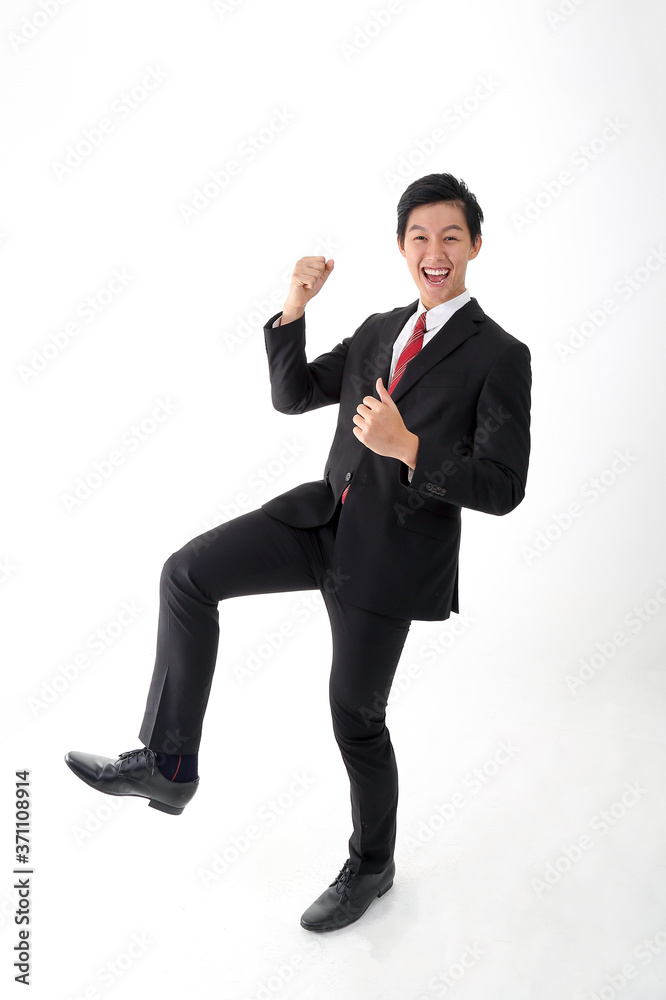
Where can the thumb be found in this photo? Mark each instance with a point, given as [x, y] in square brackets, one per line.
[328, 267]
[383, 392]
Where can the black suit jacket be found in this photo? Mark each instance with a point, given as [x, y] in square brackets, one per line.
[467, 396]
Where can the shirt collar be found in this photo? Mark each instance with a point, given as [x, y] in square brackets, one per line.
[438, 315]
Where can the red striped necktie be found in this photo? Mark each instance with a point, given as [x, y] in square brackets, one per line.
[410, 350]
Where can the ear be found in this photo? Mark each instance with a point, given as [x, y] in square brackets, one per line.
[476, 246]
[401, 247]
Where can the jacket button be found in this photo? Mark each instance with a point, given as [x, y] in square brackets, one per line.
[429, 487]
[348, 476]
[442, 491]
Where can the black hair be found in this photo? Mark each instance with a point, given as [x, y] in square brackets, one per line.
[439, 187]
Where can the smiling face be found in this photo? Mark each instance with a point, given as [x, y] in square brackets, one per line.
[437, 247]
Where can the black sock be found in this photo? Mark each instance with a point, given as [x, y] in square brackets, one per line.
[178, 767]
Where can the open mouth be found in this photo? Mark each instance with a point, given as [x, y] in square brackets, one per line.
[436, 275]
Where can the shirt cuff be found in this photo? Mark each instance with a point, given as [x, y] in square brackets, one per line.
[410, 473]
[277, 321]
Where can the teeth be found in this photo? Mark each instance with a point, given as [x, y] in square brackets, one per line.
[434, 270]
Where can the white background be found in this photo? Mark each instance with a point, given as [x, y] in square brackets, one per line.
[517, 888]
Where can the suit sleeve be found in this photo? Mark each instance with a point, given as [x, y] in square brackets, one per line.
[487, 470]
[296, 384]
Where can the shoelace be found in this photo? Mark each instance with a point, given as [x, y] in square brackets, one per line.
[342, 879]
[150, 756]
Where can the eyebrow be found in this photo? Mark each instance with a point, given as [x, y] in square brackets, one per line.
[452, 226]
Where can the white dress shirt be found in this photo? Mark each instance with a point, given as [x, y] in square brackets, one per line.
[435, 320]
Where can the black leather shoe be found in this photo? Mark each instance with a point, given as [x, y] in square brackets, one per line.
[346, 899]
[133, 773]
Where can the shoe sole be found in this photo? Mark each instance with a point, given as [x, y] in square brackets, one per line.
[152, 803]
[163, 807]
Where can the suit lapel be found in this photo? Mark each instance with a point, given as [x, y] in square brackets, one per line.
[391, 327]
[463, 324]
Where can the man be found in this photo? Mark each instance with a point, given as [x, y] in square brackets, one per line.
[434, 415]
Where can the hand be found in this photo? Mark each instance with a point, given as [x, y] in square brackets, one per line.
[309, 277]
[380, 428]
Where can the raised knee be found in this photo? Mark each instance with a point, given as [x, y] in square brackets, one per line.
[177, 568]
[172, 564]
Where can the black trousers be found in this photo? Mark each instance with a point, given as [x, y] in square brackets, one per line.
[257, 554]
